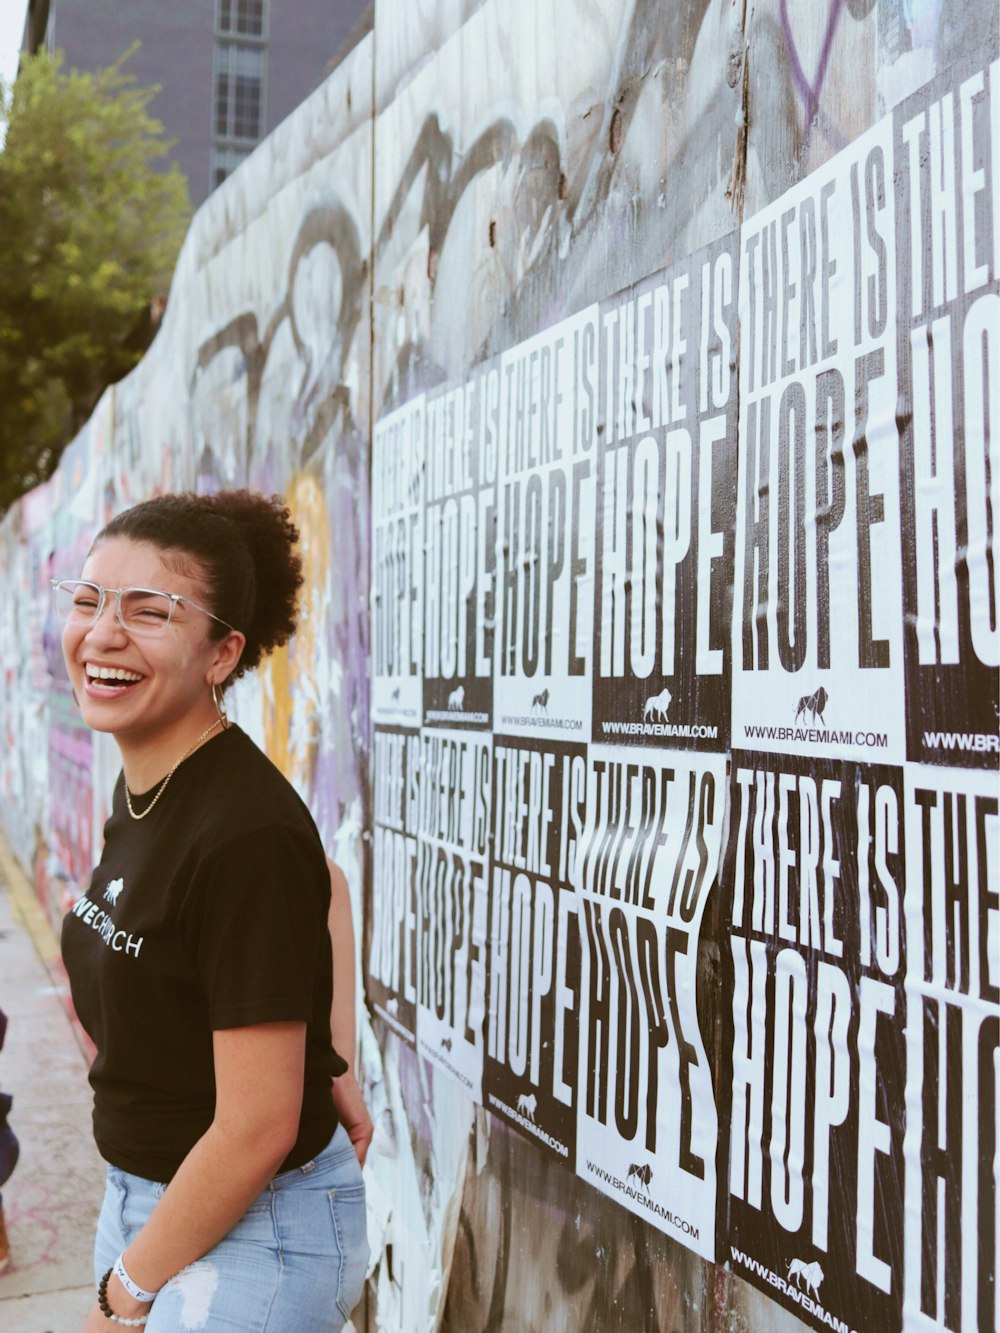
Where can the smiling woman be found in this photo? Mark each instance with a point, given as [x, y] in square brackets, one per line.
[200, 959]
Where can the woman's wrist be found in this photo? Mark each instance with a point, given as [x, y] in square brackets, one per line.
[117, 1306]
[138, 1291]
[121, 1303]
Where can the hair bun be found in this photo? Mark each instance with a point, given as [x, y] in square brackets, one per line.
[243, 547]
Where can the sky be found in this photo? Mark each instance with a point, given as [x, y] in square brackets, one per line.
[12, 14]
[11, 29]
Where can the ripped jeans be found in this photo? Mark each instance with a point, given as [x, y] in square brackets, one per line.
[295, 1262]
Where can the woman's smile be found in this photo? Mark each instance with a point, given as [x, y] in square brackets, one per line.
[106, 680]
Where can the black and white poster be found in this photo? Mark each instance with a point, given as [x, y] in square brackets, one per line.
[947, 141]
[953, 1048]
[533, 973]
[646, 863]
[453, 828]
[814, 1065]
[666, 506]
[544, 588]
[817, 623]
[397, 565]
[462, 429]
[391, 981]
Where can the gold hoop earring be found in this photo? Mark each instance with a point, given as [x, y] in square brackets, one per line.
[220, 706]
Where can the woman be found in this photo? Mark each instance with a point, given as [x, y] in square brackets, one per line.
[199, 959]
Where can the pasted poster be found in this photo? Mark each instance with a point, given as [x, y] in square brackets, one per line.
[453, 828]
[533, 976]
[666, 506]
[462, 424]
[948, 246]
[392, 958]
[817, 623]
[545, 532]
[646, 863]
[814, 1061]
[397, 565]
[953, 1048]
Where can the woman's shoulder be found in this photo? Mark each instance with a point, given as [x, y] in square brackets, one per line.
[246, 794]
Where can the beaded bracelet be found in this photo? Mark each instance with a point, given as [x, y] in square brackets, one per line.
[106, 1310]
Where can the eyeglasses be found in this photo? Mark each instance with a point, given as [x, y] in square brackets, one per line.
[139, 610]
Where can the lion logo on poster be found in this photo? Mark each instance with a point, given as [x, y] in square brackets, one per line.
[457, 698]
[813, 703]
[810, 1274]
[541, 701]
[643, 1174]
[657, 705]
[527, 1104]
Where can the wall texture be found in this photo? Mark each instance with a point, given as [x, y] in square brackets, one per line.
[630, 369]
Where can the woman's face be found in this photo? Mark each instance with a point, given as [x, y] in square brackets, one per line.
[167, 673]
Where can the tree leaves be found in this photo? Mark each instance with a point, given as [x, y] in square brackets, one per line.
[90, 225]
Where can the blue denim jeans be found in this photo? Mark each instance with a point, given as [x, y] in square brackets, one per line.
[294, 1263]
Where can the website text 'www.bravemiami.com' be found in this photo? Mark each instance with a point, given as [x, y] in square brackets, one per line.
[869, 740]
[639, 1196]
[789, 1289]
[981, 742]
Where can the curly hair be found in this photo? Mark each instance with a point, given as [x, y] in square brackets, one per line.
[241, 545]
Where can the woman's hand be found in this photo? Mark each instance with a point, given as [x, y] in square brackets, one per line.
[96, 1323]
[121, 1303]
[353, 1113]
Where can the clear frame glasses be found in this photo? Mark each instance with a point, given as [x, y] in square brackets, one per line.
[139, 610]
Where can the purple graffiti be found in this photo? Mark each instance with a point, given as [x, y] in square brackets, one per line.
[810, 92]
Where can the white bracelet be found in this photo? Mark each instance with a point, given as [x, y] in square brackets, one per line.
[135, 1291]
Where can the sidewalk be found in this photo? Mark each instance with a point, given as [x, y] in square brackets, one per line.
[51, 1201]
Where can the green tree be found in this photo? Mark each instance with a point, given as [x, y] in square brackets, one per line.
[90, 227]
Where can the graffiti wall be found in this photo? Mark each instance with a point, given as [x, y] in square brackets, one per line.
[631, 371]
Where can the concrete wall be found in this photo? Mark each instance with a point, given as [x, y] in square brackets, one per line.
[629, 369]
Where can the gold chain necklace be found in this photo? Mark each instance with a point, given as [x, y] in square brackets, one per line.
[163, 784]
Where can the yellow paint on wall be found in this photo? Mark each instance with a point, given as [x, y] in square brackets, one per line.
[291, 724]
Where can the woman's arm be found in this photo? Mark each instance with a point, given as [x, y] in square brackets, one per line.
[343, 1027]
[259, 1074]
[347, 1099]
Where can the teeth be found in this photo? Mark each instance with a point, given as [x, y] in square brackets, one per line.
[112, 673]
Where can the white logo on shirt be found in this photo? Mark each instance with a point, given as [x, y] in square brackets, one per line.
[97, 919]
[113, 890]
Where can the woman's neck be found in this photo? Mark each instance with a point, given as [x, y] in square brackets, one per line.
[147, 761]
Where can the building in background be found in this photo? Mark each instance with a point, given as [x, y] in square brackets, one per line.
[229, 70]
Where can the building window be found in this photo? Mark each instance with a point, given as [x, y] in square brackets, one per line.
[224, 162]
[240, 18]
[239, 92]
[238, 109]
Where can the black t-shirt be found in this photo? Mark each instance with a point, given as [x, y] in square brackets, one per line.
[211, 913]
